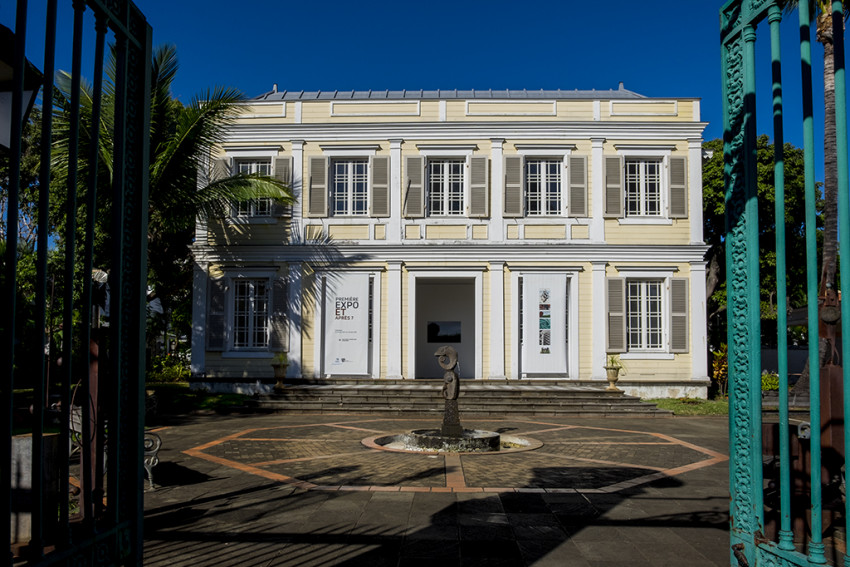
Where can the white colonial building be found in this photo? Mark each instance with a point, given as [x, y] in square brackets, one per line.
[534, 231]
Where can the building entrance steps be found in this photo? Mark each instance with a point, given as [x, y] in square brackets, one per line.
[477, 398]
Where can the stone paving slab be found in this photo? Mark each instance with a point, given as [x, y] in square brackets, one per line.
[302, 490]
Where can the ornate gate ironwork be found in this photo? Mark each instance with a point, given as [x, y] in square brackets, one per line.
[106, 365]
[749, 545]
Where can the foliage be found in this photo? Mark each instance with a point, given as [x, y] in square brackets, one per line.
[28, 188]
[769, 381]
[168, 368]
[281, 358]
[720, 369]
[693, 406]
[715, 233]
[176, 398]
[181, 184]
[613, 361]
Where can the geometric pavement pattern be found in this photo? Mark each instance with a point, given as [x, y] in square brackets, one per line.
[328, 456]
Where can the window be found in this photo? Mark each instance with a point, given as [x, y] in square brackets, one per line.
[254, 207]
[643, 187]
[250, 313]
[446, 187]
[644, 314]
[543, 194]
[350, 187]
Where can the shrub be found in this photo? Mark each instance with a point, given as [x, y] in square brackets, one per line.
[769, 381]
[720, 369]
[167, 368]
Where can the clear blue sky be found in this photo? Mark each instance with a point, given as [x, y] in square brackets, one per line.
[659, 48]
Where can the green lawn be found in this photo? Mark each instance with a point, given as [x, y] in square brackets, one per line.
[693, 406]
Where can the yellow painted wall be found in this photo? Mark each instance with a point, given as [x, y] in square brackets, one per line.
[412, 232]
[585, 316]
[677, 233]
[349, 231]
[313, 231]
[479, 232]
[510, 346]
[513, 232]
[452, 232]
[223, 232]
[380, 232]
[545, 231]
[579, 231]
[309, 335]
[218, 366]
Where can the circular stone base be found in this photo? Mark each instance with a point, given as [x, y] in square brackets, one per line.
[471, 441]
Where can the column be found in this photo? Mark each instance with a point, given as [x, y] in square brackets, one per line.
[597, 191]
[497, 192]
[396, 194]
[599, 325]
[295, 320]
[497, 321]
[695, 189]
[297, 191]
[199, 319]
[394, 321]
[699, 345]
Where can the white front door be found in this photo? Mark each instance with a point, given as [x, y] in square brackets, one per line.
[544, 325]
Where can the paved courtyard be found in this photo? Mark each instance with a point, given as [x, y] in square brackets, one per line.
[306, 490]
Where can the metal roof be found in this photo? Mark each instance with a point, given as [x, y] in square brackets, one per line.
[500, 94]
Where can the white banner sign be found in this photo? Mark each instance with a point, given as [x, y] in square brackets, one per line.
[544, 324]
[347, 325]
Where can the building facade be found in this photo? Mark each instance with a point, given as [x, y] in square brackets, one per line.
[536, 232]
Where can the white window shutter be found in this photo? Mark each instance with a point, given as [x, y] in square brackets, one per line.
[317, 199]
[577, 175]
[220, 170]
[479, 190]
[283, 173]
[379, 203]
[678, 187]
[513, 186]
[277, 323]
[216, 325]
[414, 187]
[616, 314]
[679, 315]
[614, 186]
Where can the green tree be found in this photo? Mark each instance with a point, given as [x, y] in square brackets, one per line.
[715, 230]
[182, 186]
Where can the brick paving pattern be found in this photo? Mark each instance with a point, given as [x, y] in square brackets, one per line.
[301, 490]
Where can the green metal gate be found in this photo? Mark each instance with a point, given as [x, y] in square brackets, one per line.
[83, 419]
[749, 543]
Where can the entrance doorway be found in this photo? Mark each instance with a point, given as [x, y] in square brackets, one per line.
[445, 315]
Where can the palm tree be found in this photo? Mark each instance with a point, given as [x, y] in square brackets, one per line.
[181, 183]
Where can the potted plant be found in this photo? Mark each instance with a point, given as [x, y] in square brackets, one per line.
[280, 364]
[613, 367]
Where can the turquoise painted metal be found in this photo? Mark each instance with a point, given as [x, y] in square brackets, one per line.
[748, 544]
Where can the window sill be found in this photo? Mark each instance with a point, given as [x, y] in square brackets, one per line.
[247, 354]
[646, 221]
[647, 356]
[252, 220]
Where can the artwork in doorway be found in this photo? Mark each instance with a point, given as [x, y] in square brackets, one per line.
[443, 331]
[545, 321]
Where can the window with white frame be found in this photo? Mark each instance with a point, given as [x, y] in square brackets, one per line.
[543, 194]
[446, 187]
[254, 207]
[644, 314]
[250, 313]
[643, 187]
[350, 187]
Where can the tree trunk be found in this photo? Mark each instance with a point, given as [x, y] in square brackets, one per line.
[830, 163]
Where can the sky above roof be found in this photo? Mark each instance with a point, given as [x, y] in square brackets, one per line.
[658, 48]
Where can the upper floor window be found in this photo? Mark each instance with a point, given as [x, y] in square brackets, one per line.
[350, 187]
[643, 187]
[543, 195]
[254, 207]
[446, 187]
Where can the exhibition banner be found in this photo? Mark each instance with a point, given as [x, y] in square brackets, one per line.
[347, 324]
[544, 324]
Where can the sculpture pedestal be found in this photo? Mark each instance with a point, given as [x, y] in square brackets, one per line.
[451, 420]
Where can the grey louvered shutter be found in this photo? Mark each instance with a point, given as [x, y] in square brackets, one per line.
[613, 187]
[679, 315]
[616, 314]
[283, 173]
[216, 326]
[578, 186]
[379, 205]
[317, 198]
[479, 190]
[414, 187]
[513, 186]
[678, 187]
[277, 323]
[220, 170]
